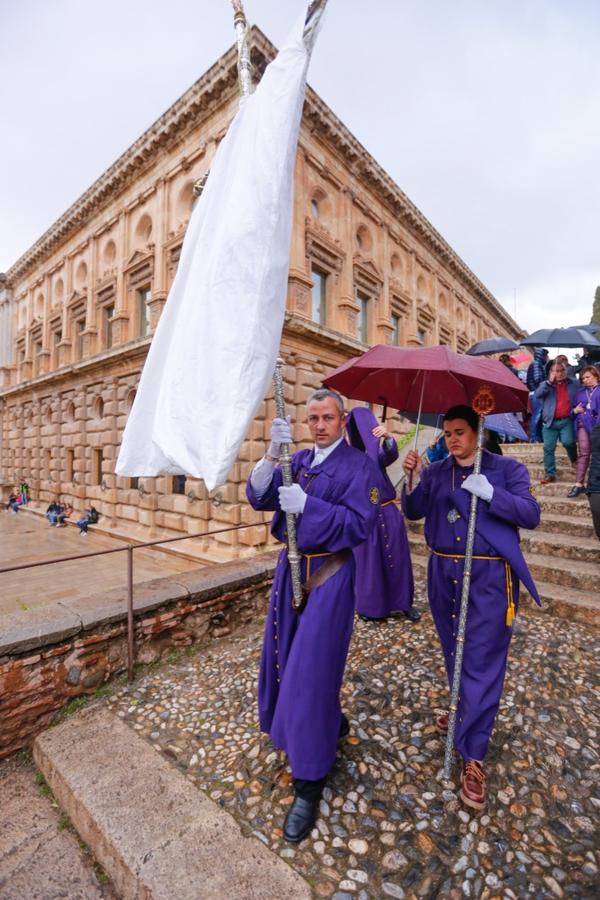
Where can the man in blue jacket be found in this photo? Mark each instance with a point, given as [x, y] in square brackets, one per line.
[557, 395]
[536, 375]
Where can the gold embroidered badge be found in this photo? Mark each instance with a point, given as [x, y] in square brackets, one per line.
[374, 495]
[532, 489]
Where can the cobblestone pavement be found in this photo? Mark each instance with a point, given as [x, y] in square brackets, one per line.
[387, 827]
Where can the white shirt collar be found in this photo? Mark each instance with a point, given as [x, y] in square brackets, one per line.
[321, 453]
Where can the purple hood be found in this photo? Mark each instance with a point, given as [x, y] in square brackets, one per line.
[359, 426]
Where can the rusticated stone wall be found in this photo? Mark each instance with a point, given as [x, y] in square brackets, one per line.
[83, 644]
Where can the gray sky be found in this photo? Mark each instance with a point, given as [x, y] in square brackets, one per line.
[487, 114]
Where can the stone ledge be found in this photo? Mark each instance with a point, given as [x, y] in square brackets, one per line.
[25, 631]
[170, 841]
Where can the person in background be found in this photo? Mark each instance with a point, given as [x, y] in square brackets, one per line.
[593, 485]
[437, 450]
[505, 360]
[384, 579]
[67, 511]
[586, 409]
[12, 502]
[24, 492]
[89, 517]
[53, 511]
[557, 394]
[536, 375]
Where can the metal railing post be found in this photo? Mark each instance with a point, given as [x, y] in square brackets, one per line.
[130, 632]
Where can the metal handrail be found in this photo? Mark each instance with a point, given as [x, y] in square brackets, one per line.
[128, 548]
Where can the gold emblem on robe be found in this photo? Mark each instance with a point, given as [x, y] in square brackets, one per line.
[374, 495]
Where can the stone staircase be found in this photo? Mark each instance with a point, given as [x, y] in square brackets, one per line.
[563, 553]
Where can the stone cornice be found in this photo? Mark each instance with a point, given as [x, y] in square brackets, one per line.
[198, 101]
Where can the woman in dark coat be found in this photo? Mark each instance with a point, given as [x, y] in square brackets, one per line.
[384, 578]
[593, 487]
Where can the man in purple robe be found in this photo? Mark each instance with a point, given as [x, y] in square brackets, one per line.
[336, 499]
[506, 503]
[384, 578]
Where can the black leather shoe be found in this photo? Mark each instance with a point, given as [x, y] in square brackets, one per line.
[344, 727]
[300, 819]
[575, 491]
[413, 614]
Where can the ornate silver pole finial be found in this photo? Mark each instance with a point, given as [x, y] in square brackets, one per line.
[285, 461]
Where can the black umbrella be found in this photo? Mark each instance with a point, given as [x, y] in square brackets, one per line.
[561, 337]
[493, 345]
[594, 327]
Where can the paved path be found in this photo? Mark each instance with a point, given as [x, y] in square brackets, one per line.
[25, 537]
[40, 858]
[387, 829]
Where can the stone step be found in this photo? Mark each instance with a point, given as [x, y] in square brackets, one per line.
[564, 546]
[557, 489]
[563, 473]
[155, 834]
[573, 605]
[578, 574]
[563, 506]
[578, 526]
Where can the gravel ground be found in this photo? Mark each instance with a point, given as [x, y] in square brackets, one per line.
[387, 826]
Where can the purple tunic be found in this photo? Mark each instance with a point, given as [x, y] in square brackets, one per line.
[304, 656]
[590, 400]
[384, 578]
[493, 580]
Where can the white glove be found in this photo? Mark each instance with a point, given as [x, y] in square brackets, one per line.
[292, 499]
[281, 433]
[480, 486]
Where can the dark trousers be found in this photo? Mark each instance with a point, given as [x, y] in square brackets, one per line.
[595, 508]
[309, 790]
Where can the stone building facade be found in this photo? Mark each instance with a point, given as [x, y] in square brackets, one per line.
[78, 309]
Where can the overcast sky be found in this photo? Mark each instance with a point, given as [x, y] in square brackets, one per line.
[487, 114]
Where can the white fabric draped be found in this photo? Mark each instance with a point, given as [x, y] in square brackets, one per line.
[214, 351]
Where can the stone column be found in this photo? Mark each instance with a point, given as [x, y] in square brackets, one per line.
[159, 281]
[300, 281]
[345, 318]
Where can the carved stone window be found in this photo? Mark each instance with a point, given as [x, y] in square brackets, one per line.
[106, 308]
[319, 296]
[178, 484]
[363, 317]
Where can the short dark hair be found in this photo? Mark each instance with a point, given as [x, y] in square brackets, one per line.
[323, 394]
[462, 411]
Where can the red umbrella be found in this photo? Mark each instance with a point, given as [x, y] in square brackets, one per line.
[427, 378]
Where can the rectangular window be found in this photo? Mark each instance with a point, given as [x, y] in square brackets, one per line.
[178, 486]
[395, 330]
[56, 339]
[70, 463]
[319, 297]
[97, 465]
[79, 337]
[362, 320]
[421, 335]
[143, 310]
[109, 312]
[37, 352]
[134, 484]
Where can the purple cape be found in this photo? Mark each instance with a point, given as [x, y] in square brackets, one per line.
[384, 577]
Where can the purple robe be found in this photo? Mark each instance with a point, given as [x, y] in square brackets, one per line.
[304, 656]
[493, 581]
[590, 400]
[384, 577]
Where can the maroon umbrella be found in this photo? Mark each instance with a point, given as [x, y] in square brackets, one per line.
[427, 378]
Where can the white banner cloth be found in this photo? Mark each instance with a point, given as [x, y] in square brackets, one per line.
[214, 350]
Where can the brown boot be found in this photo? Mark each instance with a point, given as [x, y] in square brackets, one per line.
[472, 788]
[441, 723]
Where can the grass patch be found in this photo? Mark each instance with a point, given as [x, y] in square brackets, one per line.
[43, 789]
[100, 873]
[409, 437]
[64, 823]
[75, 705]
